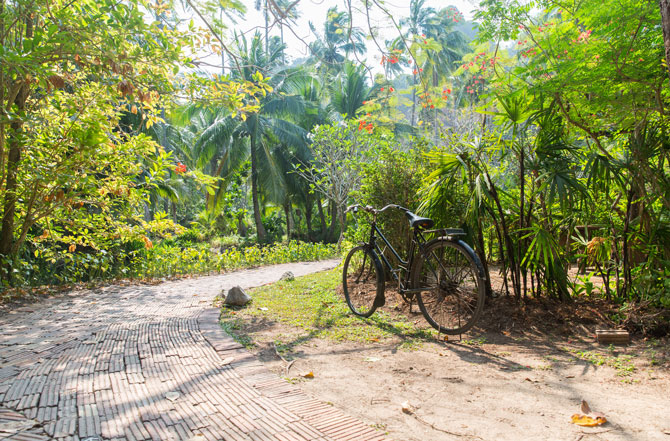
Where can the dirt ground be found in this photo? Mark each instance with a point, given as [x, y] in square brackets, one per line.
[521, 374]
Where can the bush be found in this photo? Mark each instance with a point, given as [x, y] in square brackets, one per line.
[395, 178]
[274, 226]
[168, 258]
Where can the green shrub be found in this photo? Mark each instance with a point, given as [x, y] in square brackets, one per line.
[394, 178]
[168, 258]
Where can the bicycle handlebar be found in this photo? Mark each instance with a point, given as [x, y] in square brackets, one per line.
[372, 210]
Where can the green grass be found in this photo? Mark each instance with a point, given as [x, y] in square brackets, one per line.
[622, 364]
[233, 326]
[312, 306]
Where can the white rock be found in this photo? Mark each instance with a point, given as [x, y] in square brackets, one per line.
[237, 297]
[287, 276]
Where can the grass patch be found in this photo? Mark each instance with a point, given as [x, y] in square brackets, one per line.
[312, 305]
[622, 364]
[233, 326]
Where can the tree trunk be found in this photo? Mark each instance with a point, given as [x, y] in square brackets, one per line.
[15, 147]
[289, 219]
[664, 5]
[265, 14]
[509, 243]
[522, 200]
[308, 218]
[342, 219]
[147, 212]
[480, 250]
[11, 187]
[260, 230]
[413, 116]
[333, 221]
[322, 217]
[8, 247]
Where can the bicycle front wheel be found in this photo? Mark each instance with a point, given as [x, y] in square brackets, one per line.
[451, 277]
[362, 281]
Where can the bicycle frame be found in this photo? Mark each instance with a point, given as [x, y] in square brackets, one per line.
[404, 265]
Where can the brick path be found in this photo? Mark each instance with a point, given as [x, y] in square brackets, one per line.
[150, 362]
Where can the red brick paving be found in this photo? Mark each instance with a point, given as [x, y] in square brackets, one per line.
[100, 364]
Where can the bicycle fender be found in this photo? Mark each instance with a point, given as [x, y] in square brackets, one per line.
[468, 248]
[478, 262]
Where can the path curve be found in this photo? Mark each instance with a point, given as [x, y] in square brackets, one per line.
[151, 362]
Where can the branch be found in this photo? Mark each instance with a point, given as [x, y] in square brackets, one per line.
[215, 34]
[592, 134]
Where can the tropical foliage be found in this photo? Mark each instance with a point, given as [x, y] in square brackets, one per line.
[546, 138]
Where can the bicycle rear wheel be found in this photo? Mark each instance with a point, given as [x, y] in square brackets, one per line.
[362, 281]
[452, 277]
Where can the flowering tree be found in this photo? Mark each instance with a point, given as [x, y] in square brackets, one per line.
[338, 152]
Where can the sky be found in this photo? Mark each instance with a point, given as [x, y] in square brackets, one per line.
[315, 11]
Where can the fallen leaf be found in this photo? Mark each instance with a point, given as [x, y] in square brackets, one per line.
[172, 396]
[371, 359]
[263, 309]
[406, 408]
[309, 374]
[588, 418]
[587, 421]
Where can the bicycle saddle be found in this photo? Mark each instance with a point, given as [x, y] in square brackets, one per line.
[418, 221]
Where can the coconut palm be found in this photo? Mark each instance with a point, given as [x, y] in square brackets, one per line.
[228, 136]
[349, 90]
[339, 40]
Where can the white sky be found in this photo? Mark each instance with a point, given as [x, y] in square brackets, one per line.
[315, 11]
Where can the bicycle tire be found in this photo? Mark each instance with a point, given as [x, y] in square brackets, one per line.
[456, 280]
[362, 281]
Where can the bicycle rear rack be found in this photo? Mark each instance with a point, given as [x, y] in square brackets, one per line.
[447, 232]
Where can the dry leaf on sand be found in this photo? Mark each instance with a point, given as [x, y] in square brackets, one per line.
[588, 418]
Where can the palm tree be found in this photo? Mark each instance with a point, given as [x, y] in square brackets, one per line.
[420, 18]
[418, 22]
[338, 41]
[349, 90]
[319, 111]
[287, 15]
[227, 136]
[441, 63]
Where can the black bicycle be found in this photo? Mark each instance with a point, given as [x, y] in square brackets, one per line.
[443, 274]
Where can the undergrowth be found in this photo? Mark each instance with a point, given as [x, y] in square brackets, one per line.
[312, 305]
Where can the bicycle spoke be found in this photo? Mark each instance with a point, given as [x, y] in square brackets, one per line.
[454, 298]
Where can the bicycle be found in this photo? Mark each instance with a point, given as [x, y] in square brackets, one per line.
[443, 274]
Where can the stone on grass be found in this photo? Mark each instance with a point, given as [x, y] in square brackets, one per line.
[287, 276]
[237, 297]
